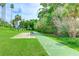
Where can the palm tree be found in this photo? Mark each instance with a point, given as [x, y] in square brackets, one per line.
[3, 14]
[12, 7]
[15, 22]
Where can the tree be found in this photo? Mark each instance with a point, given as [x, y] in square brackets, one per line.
[40, 26]
[4, 23]
[12, 7]
[3, 14]
[46, 13]
[15, 21]
[17, 17]
[64, 18]
[28, 24]
[71, 12]
[67, 19]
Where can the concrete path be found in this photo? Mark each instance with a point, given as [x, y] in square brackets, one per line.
[23, 35]
[54, 48]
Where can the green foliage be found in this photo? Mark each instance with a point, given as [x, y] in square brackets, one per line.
[55, 14]
[17, 17]
[28, 24]
[40, 26]
[2, 4]
[45, 16]
[4, 23]
[12, 6]
[43, 26]
[71, 9]
[15, 21]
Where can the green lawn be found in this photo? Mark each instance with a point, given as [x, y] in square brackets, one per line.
[16, 47]
[71, 42]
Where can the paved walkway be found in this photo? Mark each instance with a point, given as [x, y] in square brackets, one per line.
[23, 35]
[54, 48]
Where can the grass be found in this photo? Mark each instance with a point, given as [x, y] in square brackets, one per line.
[71, 42]
[15, 47]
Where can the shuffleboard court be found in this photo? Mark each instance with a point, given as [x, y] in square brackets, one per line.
[24, 35]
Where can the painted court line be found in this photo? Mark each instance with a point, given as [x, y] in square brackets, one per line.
[54, 48]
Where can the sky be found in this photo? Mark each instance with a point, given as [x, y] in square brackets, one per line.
[26, 10]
